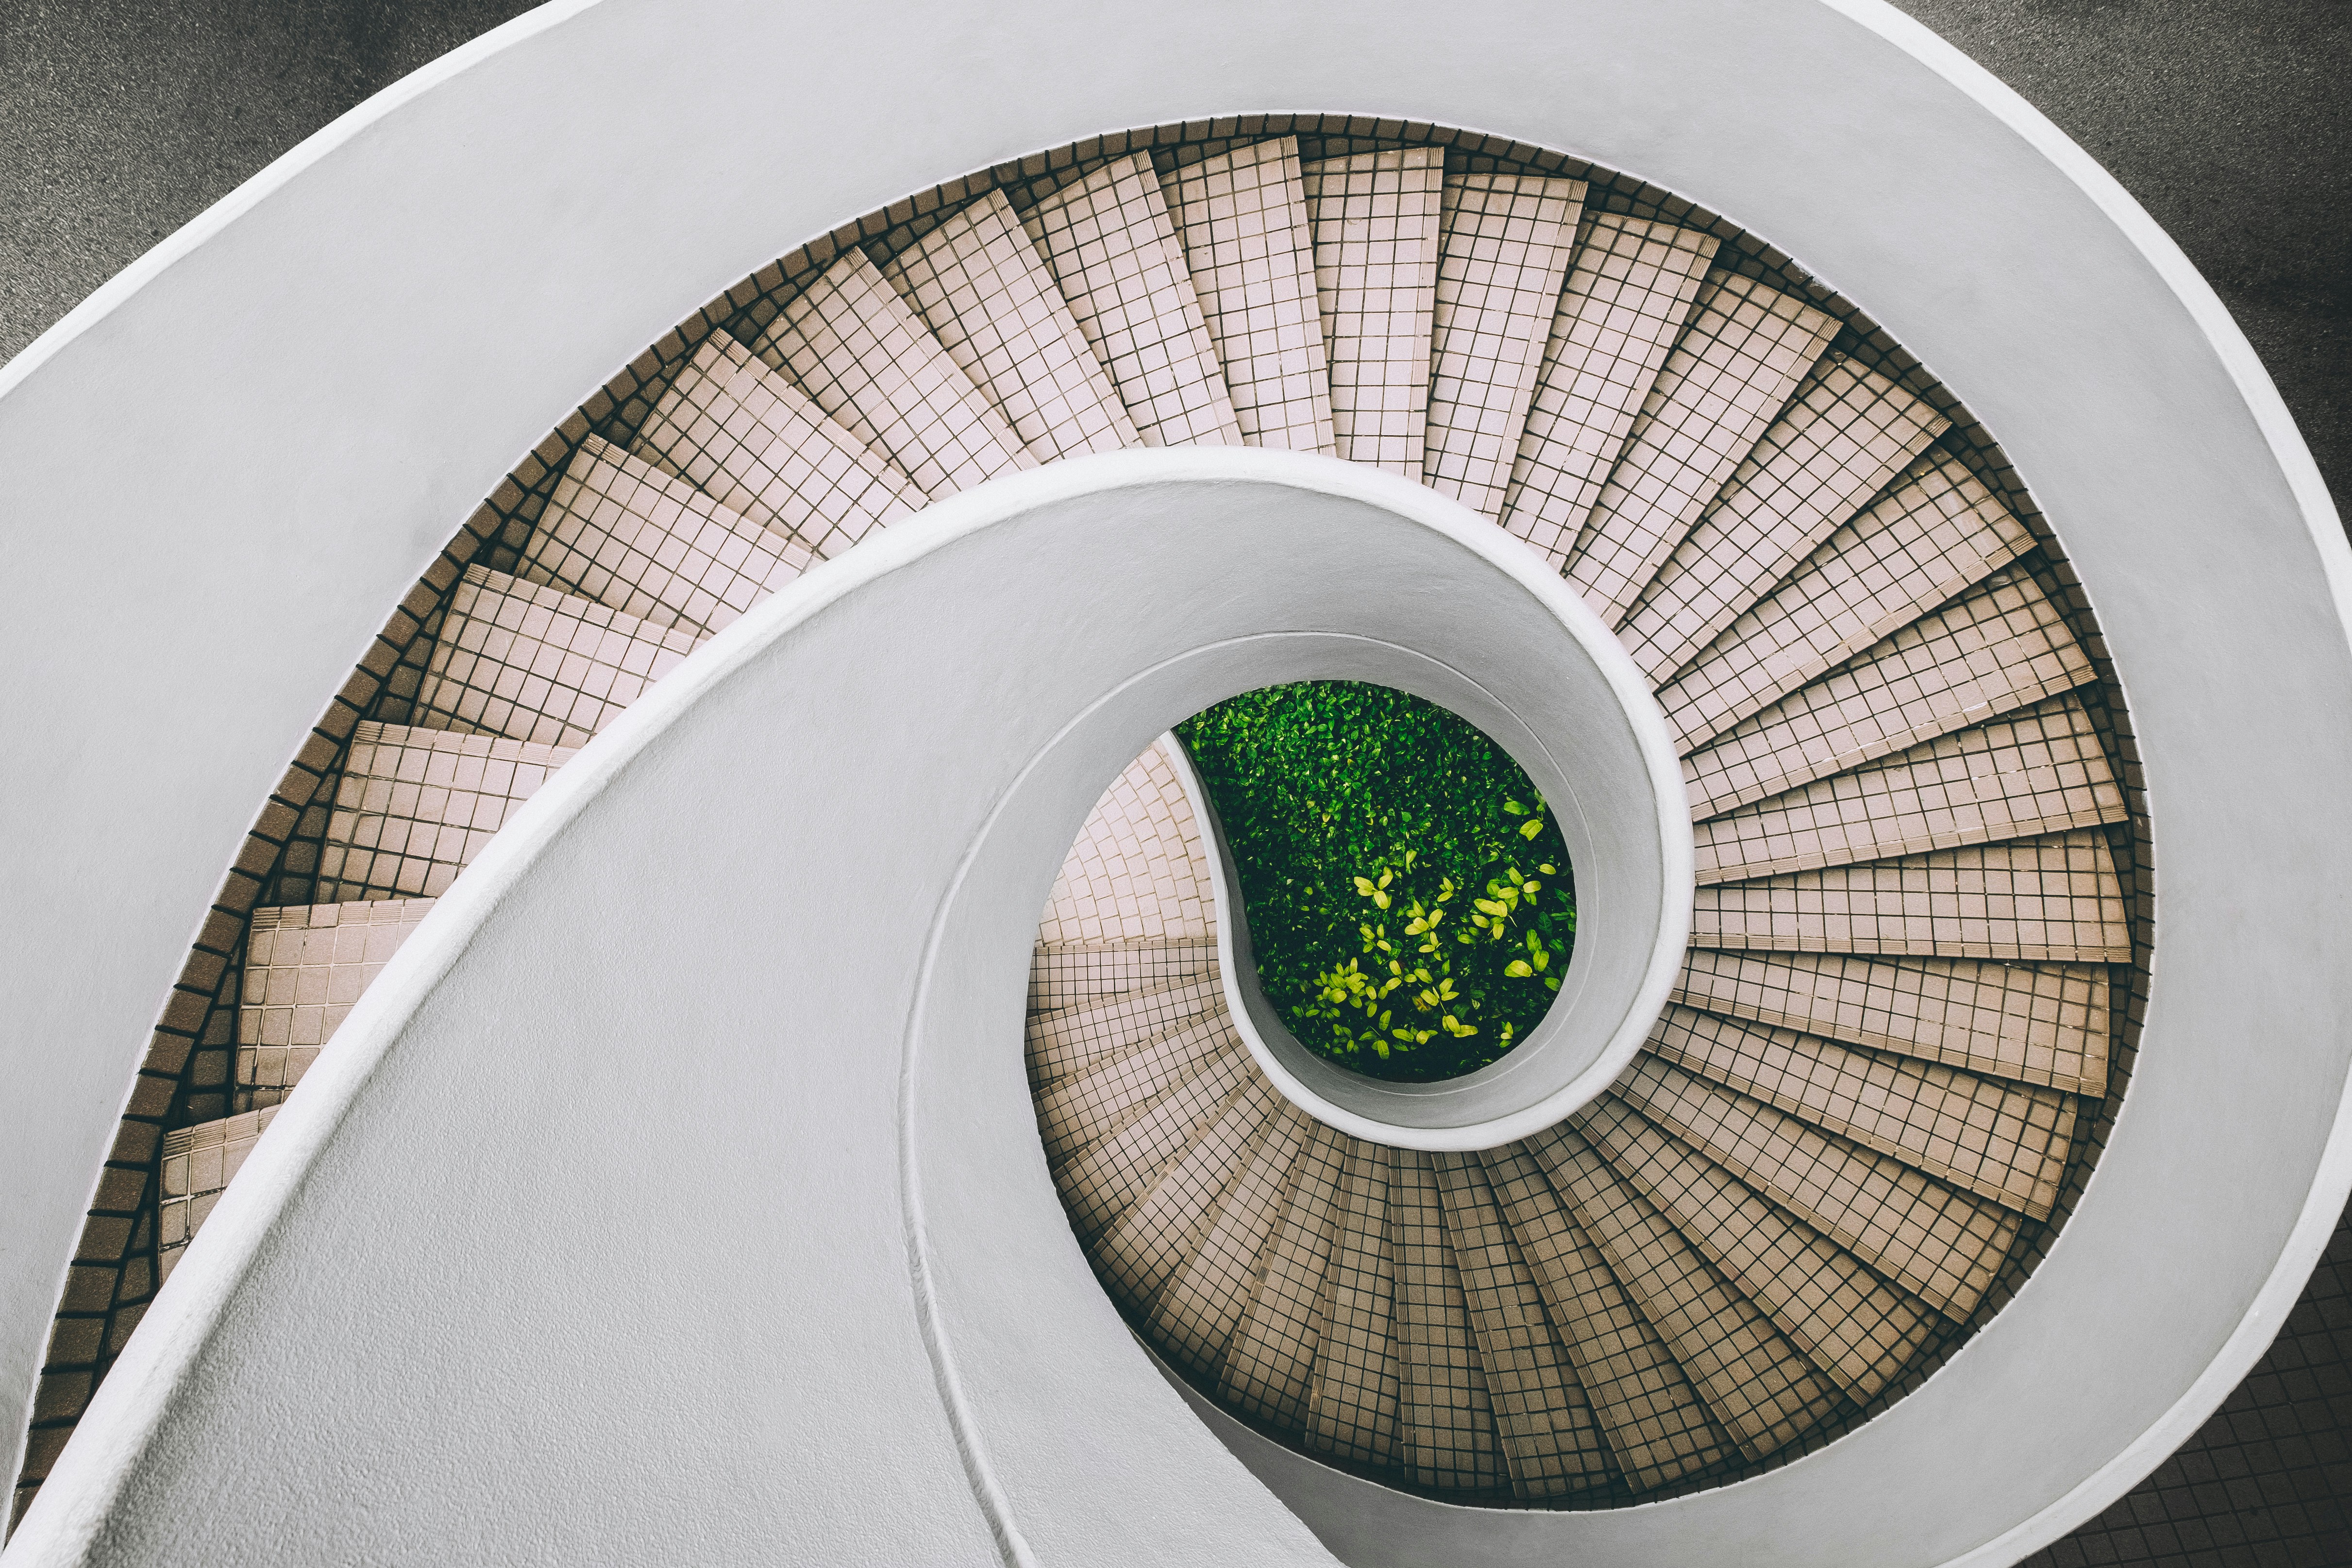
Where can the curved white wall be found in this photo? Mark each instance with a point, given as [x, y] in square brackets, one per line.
[262, 444]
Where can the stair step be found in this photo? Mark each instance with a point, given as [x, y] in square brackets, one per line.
[1242, 220]
[1551, 1442]
[1445, 1411]
[1741, 355]
[1375, 221]
[1103, 1182]
[1504, 243]
[1997, 648]
[1760, 1389]
[414, 806]
[1848, 1324]
[758, 445]
[1846, 436]
[1112, 249]
[1077, 1039]
[1081, 975]
[2038, 771]
[1269, 1367]
[1940, 1244]
[1166, 1227]
[635, 540]
[1352, 1412]
[1627, 296]
[197, 1164]
[1938, 533]
[980, 285]
[305, 967]
[1139, 868]
[2055, 899]
[1093, 1106]
[1195, 1313]
[2007, 1142]
[857, 349]
[1658, 1427]
[2048, 1023]
[534, 663]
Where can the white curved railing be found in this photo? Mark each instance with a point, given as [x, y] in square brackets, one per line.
[293, 403]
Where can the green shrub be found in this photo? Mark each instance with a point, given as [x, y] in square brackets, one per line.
[1409, 900]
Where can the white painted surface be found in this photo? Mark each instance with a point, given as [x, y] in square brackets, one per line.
[265, 439]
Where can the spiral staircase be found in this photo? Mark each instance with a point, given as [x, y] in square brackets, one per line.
[1922, 927]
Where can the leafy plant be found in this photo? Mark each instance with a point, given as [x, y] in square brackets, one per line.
[1408, 893]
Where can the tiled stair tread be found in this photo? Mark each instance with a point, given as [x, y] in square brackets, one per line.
[1848, 1322]
[758, 445]
[861, 352]
[1374, 217]
[2003, 1140]
[1998, 647]
[1101, 1184]
[413, 807]
[1352, 1415]
[2046, 1024]
[1076, 1040]
[1139, 868]
[1846, 435]
[1081, 975]
[1504, 242]
[1091, 1106]
[196, 1166]
[978, 282]
[1743, 353]
[1446, 1414]
[1935, 535]
[1551, 1442]
[1113, 249]
[1759, 1387]
[1624, 303]
[305, 967]
[1166, 1225]
[1658, 1430]
[534, 663]
[2041, 770]
[1242, 220]
[1267, 1368]
[2055, 899]
[1940, 1244]
[1193, 1316]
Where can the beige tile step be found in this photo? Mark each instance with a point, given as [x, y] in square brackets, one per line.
[1138, 869]
[1267, 1370]
[1551, 1442]
[635, 540]
[2003, 1140]
[198, 1163]
[855, 347]
[1658, 1427]
[1075, 1040]
[758, 445]
[1941, 1245]
[1743, 353]
[1167, 1226]
[1375, 222]
[1112, 249]
[1242, 220]
[2041, 770]
[305, 967]
[1846, 436]
[1103, 1182]
[1627, 296]
[413, 807]
[2055, 899]
[1938, 533]
[1848, 1322]
[1445, 1411]
[1092, 1106]
[1352, 1409]
[1063, 975]
[1504, 243]
[1193, 1317]
[2046, 1024]
[1761, 1390]
[1998, 648]
[534, 663]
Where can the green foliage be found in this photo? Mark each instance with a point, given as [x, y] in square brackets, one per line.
[1408, 894]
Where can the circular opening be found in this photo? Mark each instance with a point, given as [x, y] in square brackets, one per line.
[1408, 892]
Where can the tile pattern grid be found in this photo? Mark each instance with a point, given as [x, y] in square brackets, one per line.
[304, 969]
[1139, 868]
[1375, 222]
[414, 805]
